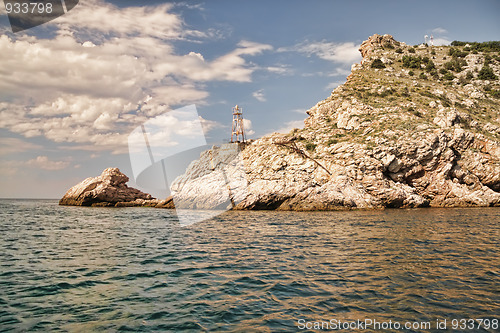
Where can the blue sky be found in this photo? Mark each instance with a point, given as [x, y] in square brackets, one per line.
[72, 90]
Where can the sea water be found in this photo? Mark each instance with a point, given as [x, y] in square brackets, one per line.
[136, 269]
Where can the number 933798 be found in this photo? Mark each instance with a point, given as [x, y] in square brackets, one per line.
[28, 7]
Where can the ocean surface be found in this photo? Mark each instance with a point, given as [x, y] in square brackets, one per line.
[79, 269]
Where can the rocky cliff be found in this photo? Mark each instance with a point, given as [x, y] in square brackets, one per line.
[412, 127]
[108, 190]
[217, 180]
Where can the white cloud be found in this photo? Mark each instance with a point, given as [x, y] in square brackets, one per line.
[106, 71]
[82, 108]
[291, 125]
[231, 67]
[340, 72]
[70, 118]
[247, 126]
[280, 69]
[345, 53]
[333, 85]
[441, 38]
[44, 69]
[259, 95]
[121, 67]
[209, 125]
[106, 18]
[439, 30]
[43, 162]
[14, 145]
[88, 44]
[441, 41]
[175, 94]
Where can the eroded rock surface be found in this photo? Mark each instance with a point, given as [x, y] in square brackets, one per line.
[386, 138]
[107, 190]
[405, 135]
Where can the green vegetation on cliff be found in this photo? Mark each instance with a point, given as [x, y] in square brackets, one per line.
[412, 126]
[408, 89]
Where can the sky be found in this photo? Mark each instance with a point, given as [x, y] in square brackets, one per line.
[74, 89]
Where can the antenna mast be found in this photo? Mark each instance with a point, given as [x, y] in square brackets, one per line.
[237, 128]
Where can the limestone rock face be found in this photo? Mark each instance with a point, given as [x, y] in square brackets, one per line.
[385, 138]
[217, 180]
[108, 189]
[438, 169]
[382, 139]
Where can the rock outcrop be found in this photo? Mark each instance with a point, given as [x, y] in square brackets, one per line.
[377, 42]
[217, 180]
[411, 127]
[108, 190]
[386, 138]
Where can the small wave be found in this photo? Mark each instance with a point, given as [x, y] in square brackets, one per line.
[130, 270]
[37, 291]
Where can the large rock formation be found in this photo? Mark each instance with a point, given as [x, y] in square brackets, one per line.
[377, 42]
[217, 180]
[386, 138]
[109, 189]
[411, 127]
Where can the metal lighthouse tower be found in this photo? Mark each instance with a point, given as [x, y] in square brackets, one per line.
[237, 131]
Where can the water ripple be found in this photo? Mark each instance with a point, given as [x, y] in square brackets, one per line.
[136, 269]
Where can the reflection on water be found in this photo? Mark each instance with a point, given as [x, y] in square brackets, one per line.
[82, 269]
